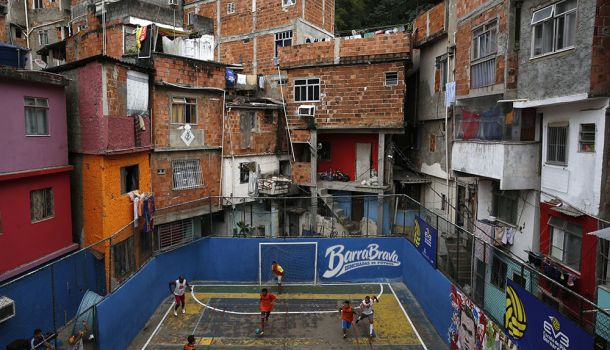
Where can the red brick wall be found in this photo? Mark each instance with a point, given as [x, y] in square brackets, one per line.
[237, 52]
[162, 185]
[209, 115]
[195, 73]
[301, 173]
[464, 43]
[323, 52]
[352, 96]
[465, 7]
[265, 46]
[429, 23]
[89, 42]
[4, 35]
[263, 140]
[600, 69]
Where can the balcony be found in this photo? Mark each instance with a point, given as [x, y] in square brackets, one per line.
[498, 145]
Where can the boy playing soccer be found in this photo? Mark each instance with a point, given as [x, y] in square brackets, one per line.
[190, 345]
[366, 311]
[278, 271]
[179, 287]
[347, 317]
[266, 305]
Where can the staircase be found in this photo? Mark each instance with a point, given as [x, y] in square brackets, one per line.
[338, 213]
[459, 258]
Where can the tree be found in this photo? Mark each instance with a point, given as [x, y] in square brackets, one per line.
[359, 14]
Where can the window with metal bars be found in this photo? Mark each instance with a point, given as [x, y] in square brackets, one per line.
[391, 79]
[41, 204]
[498, 273]
[556, 144]
[187, 174]
[483, 60]
[174, 233]
[123, 259]
[586, 140]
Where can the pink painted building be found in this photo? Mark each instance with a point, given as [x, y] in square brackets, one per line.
[35, 214]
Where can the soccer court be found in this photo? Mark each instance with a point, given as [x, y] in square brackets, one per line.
[305, 317]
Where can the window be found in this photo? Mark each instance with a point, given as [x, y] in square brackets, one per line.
[269, 116]
[324, 151]
[307, 90]
[440, 77]
[479, 286]
[498, 273]
[230, 8]
[282, 39]
[553, 28]
[18, 33]
[566, 239]
[556, 144]
[174, 233]
[123, 259]
[184, 110]
[36, 123]
[288, 2]
[519, 279]
[391, 79]
[129, 40]
[186, 174]
[130, 178]
[41, 204]
[37, 4]
[484, 48]
[191, 18]
[432, 143]
[247, 124]
[586, 140]
[43, 37]
[505, 204]
[244, 171]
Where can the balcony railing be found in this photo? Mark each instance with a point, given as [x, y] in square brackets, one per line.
[496, 124]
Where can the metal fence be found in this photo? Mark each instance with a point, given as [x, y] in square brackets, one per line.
[475, 265]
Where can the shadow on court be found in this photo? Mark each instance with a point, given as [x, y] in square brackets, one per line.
[305, 317]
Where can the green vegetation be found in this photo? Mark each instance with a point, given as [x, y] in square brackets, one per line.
[359, 14]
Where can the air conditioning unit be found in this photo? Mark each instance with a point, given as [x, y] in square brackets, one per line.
[307, 111]
[7, 309]
[172, 2]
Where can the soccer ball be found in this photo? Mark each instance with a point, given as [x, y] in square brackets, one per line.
[257, 331]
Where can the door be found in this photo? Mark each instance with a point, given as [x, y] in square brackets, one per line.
[357, 209]
[363, 161]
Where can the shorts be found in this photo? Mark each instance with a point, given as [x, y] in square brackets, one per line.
[279, 278]
[179, 298]
[346, 324]
[265, 314]
[369, 317]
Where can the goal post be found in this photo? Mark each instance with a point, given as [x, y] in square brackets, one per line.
[298, 259]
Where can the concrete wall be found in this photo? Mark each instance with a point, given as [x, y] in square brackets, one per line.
[538, 77]
[430, 98]
[32, 152]
[566, 182]
[231, 186]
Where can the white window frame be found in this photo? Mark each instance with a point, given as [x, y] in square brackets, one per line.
[566, 144]
[48, 211]
[306, 83]
[186, 174]
[230, 8]
[561, 228]
[287, 3]
[37, 4]
[390, 81]
[584, 143]
[187, 102]
[284, 38]
[190, 18]
[43, 34]
[483, 53]
[554, 17]
[36, 105]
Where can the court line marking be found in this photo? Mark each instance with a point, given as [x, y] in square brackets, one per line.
[287, 284]
[408, 318]
[158, 326]
[280, 313]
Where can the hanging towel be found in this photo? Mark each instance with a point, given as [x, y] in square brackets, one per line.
[261, 82]
[499, 234]
[251, 80]
[141, 123]
[241, 79]
[136, 201]
[510, 235]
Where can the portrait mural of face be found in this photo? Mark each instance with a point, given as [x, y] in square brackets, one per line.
[471, 329]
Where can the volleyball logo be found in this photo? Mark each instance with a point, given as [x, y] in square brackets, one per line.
[417, 235]
[515, 320]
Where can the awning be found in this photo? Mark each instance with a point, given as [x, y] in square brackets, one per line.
[603, 233]
[406, 177]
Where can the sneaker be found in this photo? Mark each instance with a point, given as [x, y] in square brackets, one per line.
[344, 336]
[183, 311]
[261, 333]
[175, 313]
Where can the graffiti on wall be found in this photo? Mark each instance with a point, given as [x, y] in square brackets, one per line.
[471, 329]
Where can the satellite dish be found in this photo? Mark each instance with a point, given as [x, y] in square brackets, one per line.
[40, 63]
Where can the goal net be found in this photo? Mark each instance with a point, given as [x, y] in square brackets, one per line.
[298, 259]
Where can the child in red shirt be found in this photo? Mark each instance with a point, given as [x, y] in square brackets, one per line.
[347, 317]
[266, 305]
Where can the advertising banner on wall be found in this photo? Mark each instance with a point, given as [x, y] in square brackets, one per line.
[531, 324]
[359, 259]
[471, 329]
[424, 240]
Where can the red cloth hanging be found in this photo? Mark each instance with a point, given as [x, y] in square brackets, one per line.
[470, 124]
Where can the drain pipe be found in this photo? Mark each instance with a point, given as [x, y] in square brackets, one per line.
[27, 31]
[222, 144]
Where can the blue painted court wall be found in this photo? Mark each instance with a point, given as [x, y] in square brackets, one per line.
[49, 297]
[430, 287]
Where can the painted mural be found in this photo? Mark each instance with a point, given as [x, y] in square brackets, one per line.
[471, 329]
